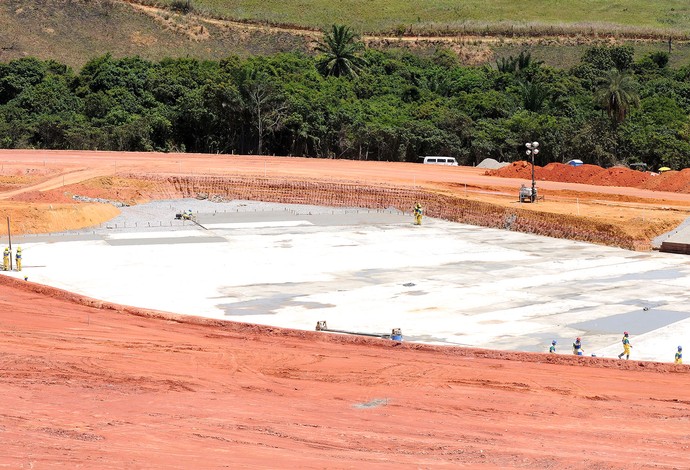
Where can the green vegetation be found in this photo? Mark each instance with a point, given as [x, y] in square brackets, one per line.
[617, 94]
[527, 17]
[339, 49]
[607, 109]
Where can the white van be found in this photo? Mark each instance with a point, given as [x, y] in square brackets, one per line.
[441, 160]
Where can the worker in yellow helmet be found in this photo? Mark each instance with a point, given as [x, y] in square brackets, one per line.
[18, 258]
[418, 213]
[626, 347]
[6, 260]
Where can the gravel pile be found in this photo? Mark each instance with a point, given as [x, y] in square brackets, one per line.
[491, 164]
[76, 197]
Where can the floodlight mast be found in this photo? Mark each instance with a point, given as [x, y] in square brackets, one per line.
[532, 150]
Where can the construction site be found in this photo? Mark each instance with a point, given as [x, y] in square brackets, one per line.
[167, 305]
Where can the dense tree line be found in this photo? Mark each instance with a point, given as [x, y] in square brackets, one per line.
[358, 104]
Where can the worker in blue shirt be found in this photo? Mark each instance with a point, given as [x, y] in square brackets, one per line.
[577, 347]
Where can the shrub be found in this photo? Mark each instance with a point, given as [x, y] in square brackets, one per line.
[182, 6]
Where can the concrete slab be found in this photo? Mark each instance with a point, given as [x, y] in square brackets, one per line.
[678, 242]
[442, 283]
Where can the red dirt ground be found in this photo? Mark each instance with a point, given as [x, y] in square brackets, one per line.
[106, 388]
[95, 385]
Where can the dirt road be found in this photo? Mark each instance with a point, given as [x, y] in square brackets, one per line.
[410, 174]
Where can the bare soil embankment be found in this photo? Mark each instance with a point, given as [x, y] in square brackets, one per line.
[551, 218]
[87, 383]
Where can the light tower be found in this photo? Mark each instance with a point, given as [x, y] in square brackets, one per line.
[532, 150]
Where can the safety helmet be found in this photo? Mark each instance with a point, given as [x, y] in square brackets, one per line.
[577, 339]
[625, 333]
[680, 348]
[553, 342]
[19, 248]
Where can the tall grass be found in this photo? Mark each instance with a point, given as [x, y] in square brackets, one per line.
[624, 18]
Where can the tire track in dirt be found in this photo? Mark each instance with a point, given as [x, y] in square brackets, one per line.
[63, 179]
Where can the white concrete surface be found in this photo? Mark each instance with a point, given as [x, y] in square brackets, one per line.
[471, 286]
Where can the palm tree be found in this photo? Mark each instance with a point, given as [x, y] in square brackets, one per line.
[506, 64]
[533, 95]
[516, 64]
[617, 94]
[340, 48]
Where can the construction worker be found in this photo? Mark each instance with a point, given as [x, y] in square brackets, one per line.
[6, 259]
[626, 347]
[577, 347]
[18, 258]
[418, 211]
[679, 355]
[552, 349]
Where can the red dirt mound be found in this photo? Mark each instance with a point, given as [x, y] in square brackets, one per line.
[583, 173]
[672, 181]
[567, 173]
[590, 174]
[618, 176]
[520, 169]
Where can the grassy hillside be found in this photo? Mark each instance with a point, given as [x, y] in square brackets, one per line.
[74, 31]
[429, 16]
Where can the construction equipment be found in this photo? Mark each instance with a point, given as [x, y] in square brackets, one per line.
[396, 333]
[526, 194]
[189, 215]
[186, 215]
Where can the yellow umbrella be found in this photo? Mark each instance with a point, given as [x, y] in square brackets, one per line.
[664, 168]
